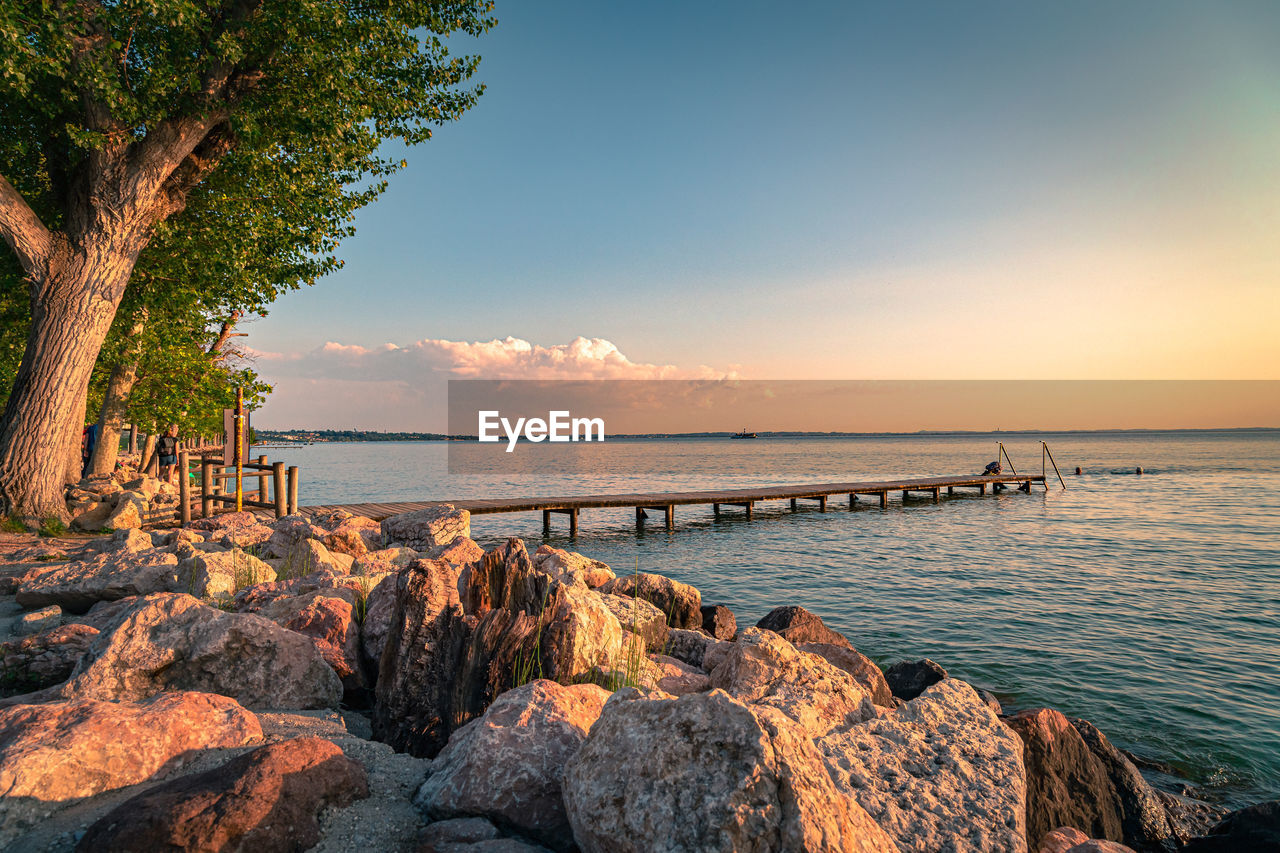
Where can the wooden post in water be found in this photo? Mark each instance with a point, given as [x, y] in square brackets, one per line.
[277, 486]
[822, 503]
[573, 522]
[884, 499]
[793, 504]
[671, 517]
[546, 522]
[853, 500]
[293, 489]
[184, 489]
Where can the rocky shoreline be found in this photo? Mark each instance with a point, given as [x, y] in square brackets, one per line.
[334, 683]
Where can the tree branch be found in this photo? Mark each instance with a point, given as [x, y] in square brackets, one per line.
[22, 228]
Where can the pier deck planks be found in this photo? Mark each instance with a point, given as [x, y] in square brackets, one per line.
[728, 497]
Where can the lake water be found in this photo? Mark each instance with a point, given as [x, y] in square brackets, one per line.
[1149, 605]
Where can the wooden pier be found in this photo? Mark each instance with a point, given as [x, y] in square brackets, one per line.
[666, 502]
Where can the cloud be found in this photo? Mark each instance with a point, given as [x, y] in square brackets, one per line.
[395, 387]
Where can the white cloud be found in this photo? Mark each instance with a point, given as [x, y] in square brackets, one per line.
[396, 387]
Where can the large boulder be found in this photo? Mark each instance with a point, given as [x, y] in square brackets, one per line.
[706, 772]
[77, 586]
[44, 659]
[129, 511]
[459, 552]
[447, 656]
[64, 751]
[234, 529]
[566, 565]
[763, 669]
[1146, 824]
[221, 574]
[640, 618]
[941, 773]
[689, 646]
[355, 536]
[1255, 828]
[908, 679]
[166, 642]
[424, 529]
[328, 617]
[678, 678]
[1067, 785]
[288, 532]
[267, 801]
[507, 764]
[800, 626]
[379, 609]
[858, 665]
[681, 603]
[309, 556]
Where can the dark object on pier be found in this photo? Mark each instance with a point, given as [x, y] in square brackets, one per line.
[800, 626]
[1250, 830]
[910, 678]
[719, 622]
[743, 434]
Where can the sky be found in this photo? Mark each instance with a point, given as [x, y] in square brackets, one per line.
[928, 190]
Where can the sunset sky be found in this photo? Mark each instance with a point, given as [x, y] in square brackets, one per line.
[816, 190]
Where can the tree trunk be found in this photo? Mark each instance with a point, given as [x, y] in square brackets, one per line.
[114, 403]
[145, 462]
[71, 313]
[133, 438]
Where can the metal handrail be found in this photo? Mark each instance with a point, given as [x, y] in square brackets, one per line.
[1044, 449]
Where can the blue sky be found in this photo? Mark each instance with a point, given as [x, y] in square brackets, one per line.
[831, 190]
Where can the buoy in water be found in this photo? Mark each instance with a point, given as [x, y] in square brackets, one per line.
[1079, 470]
[1139, 471]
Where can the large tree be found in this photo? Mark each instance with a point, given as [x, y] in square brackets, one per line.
[113, 113]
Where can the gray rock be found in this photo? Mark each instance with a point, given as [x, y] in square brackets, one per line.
[563, 565]
[681, 603]
[1144, 820]
[507, 764]
[859, 666]
[763, 669]
[165, 642]
[1255, 828]
[38, 620]
[689, 646]
[909, 679]
[640, 618]
[940, 774]
[221, 574]
[800, 626]
[719, 621]
[76, 587]
[706, 772]
[426, 528]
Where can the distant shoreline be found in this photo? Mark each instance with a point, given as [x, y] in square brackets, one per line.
[305, 437]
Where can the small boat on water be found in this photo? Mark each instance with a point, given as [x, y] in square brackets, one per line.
[743, 434]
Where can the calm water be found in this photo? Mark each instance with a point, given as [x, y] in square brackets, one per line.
[1149, 605]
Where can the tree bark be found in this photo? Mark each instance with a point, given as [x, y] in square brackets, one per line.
[114, 403]
[72, 308]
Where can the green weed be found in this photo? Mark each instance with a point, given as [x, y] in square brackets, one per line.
[13, 524]
[528, 662]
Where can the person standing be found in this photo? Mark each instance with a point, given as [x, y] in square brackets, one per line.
[167, 451]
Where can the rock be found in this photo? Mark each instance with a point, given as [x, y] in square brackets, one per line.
[1067, 785]
[267, 800]
[640, 618]
[168, 642]
[147, 487]
[427, 528]
[289, 531]
[76, 587]
[63, 751]
[1144, 821]
[941, 773]
[689, 646]
[448, 656]
[379, 608]
[681, 603]
[1255, 828]
[678, 678]
[706, 772]
[386, 560]
[308, 556]
[328, 617]
[38, 620]
[459, 552]
[763, 669]
[507, 764]
[92, 516]
[561, 564]
[859, 666]
[128, 512]
[989, 699]
[1061, 840]
[718, 621]
[446, 836]
[909, 679]
[800, 626]
[354, 536]
[221, 574]
[1097, 845]
[45, 659]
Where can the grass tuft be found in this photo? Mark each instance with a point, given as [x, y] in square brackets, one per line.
[13, 524]
[53, 526]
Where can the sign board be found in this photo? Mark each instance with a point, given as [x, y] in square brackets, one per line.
[229, 428]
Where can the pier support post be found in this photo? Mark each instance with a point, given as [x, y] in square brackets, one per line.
[750, 504]
[793, 504]
[951, 490]
[822, 503]
[715, 509]
[671, 517]
[936, 494]
[853, 500]
[982, 488]
[573, 523]
[546, 522]
[905, 493]
[884, 499]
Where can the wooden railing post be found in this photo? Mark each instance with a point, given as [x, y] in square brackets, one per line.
[206, 486]
[278, 477]
[293, 489]
[184, 488]
[262, 480]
